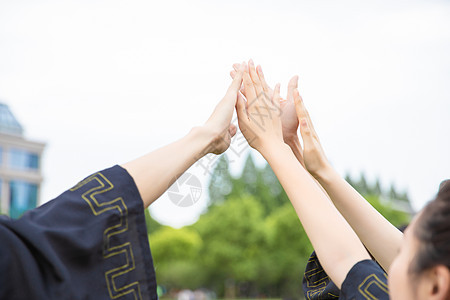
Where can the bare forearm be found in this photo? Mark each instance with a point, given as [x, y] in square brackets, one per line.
[379, 236]
[316, 213]
[294, 144]
[157, 170]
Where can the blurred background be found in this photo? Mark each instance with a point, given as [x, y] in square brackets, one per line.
[88, 84]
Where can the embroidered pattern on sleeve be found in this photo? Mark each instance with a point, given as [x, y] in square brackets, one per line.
[98, 184]
[372, 286]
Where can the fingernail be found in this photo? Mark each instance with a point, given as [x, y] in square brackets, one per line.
[304, 123]
[250, 62]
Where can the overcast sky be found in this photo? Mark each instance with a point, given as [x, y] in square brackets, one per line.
[103, 82]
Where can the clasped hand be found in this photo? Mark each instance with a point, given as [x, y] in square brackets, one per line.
[265, 119]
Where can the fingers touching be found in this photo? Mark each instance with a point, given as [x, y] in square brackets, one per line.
[306, 126]
[276, 95]
[255, 73]
[241, 110]
[237, 79]
[255, 78]
[276, 101]
[265, 86]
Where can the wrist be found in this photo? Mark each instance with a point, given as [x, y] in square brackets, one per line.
[291, 139]
[293, 142]
[324, 173]
[202, 138]
[270, 149]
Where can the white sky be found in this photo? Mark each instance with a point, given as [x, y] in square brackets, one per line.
[103, 82]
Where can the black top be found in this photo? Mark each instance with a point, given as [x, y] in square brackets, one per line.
[88, 243]
[365, 280]
[316, 283]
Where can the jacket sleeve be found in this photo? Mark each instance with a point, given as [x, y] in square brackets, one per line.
[89, 243]
[365, 280]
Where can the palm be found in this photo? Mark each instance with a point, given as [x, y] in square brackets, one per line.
[289, 119]
[218, 124]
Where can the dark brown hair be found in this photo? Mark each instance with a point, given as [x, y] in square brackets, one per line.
[433, 232]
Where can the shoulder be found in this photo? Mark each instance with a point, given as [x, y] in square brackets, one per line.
[365, 280]
[316, 283]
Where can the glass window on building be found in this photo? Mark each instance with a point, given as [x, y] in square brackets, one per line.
[23, 196]
[1, 199]
[23, 160]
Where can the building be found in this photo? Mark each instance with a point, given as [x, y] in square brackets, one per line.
[20, 167]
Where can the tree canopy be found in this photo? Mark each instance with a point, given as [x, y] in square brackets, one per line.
[250, 242]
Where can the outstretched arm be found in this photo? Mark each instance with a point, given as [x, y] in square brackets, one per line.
[380, 237]
[338, 249]
[156, 171]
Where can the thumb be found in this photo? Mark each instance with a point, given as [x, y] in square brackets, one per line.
[240, 107]
[299, 106]
[232, 130]
[237, 80]
[305, 129]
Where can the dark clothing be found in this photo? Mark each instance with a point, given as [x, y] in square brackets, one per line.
[89, 243]
[365, 280]
[316, 283]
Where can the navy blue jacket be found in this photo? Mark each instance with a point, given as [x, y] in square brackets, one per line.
[89, 243]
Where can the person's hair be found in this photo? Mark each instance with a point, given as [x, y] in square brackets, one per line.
[433, 232]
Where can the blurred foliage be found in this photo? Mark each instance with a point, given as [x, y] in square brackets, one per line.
[175, 253]
[151, 224]
[233, 243]
[250, 242]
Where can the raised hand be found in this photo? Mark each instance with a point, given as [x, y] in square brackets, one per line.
[289, 118]
[261, 125]
[379, 236]
[163, 166]
[259, 114]
[219, 123]
[313, 155]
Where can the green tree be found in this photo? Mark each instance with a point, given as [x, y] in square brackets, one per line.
[392, 192]
[233, 237]
[151, 224]
[377, 188]
[175, 253]
[261, 183]
[269, 190]
[288, 251]
[249, 242]
[247, 182]
[363, 186]
[397, 217]
[395, 206]
[221, 183]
